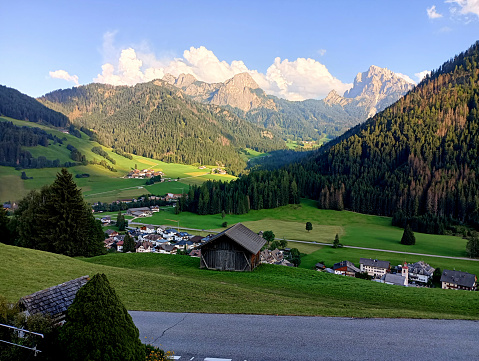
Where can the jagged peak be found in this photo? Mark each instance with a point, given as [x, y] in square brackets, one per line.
[243, 80]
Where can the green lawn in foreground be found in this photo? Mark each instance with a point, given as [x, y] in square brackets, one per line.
[154, 282]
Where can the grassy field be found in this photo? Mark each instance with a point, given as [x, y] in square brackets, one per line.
[155, 282]
[102, 185]
[354, 229]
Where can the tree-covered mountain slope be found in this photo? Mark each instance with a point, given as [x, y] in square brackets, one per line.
[156, 120]
[17, 105]
[418, 158]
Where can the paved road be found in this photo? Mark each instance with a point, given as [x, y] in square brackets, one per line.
[203, 337]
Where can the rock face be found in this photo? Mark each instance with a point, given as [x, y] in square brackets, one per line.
[241, 91]
[373, 90]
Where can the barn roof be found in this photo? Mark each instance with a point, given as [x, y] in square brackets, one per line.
[54, 300]
[243, 236]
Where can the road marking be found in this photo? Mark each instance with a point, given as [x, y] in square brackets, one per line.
[217, 359]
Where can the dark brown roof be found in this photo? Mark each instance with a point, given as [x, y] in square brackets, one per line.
[55, 300]
[242, 235]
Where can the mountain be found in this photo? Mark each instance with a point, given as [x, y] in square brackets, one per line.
[15, 104]
[156, 120]
[373, 91]
[417, 160]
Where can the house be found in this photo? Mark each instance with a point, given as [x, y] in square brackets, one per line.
[148, 229]
[111, 232]
[196, 239]
[457, 280]
[273, 257]
[53, 301]
[195, 253]
[319, 266]
[119, 246]
[374, 267]
[155, 209]
[172, 197]
[139, 212]
[235, 249]
[166, 248]
[420, 272]
[143, 247]
[105, 220]
[399, 279]
[345, 268]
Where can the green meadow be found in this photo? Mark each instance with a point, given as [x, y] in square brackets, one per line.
[155, 282]
[102, 185]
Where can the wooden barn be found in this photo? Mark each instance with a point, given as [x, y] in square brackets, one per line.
[235, 249]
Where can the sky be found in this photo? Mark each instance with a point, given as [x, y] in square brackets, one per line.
[293, 49]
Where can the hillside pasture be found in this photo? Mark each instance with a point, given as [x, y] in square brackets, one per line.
[155, 282]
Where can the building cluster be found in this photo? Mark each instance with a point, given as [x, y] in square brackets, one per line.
[154, 239]
[145, 173]
[408, 274]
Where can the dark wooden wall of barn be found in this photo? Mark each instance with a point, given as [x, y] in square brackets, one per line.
[224, 254]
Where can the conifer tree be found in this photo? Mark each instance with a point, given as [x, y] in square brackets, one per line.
[58, 220]
[98, 326]
[408, 236]
[128, 244]
[4, 230]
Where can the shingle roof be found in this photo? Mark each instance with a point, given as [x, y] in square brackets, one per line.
[459, 278]
[242, 235]
[395, 279]
[54, 300]
[374, 263]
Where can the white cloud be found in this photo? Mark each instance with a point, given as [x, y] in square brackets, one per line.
[322, 52]
[432, 13]
[406, 78]
[421, 75]
[294, 80]
[62, 74]
[465, 6]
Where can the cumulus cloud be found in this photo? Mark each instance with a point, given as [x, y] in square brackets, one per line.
[294, 80]
[421, 75]
[406, 78]
[62, 74]
[432, 13]
[465, 6]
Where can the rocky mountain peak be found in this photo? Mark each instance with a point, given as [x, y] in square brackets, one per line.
[378, 82]
[242, 80]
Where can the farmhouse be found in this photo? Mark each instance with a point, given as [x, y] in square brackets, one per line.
[53, 301]
[235, 249]
[139, 212]
[374, 267]
[420, 272]
[457, 280]
[345, 268]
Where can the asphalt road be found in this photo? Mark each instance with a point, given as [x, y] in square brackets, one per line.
[207, 337]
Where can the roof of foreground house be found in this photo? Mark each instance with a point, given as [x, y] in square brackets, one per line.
[53, 301]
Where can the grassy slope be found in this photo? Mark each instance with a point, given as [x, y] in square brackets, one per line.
[102, 185]
[157, 282]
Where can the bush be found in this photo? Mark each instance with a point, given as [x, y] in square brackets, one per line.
[98, 326]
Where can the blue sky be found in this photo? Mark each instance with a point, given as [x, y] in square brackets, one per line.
[293, 49]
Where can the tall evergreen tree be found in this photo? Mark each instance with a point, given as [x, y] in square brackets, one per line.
[98, 326]
[5, 236]
[58, 220]
[128, 244]
[408, 236]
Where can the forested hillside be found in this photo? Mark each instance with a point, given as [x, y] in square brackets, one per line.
[16, 105]
[417, 160]
[156, 121]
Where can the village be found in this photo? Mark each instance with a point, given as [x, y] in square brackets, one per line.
[238, 249]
